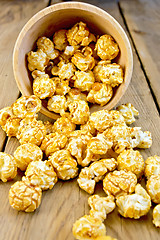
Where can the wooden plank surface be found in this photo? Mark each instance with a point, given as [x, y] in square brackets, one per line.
[143, 21]
[65, 203]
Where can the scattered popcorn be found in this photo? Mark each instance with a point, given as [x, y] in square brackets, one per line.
[153, 188]
[83, 80]
[60, 39]
[27, 153]
[12, 125]
[64, 125]
[119, 183]
[62, 86]
[5, 114]
[8, 168]
[135, 205]
[156, 216]
[57, 104]
[152, 166]
[49, 127]
[24, 197]
[37, 60]
[41, 174]
[129, 112]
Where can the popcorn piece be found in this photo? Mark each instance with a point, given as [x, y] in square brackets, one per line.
[49, 127]
[53, 142]
[60, 39]
[105, 238]
[100, 93]
[129, 112]
[119, 183]
[64, 70]
[89, 128]
[26, 105]
[83, 60]
[37, 60]
[27, 153]
[107, 48]
[57, 104]
[131, 160]
[39, 74]
[5, 114]
[77, 33]
[43, 87]
[94, 173]
[142, 139]
[135, 205]
[156, 216]
[87, 40]
[24, 197]
[152, 166]
[62, 86]
[46, 45]
[83, 80]
[63, 125]
[87, 227]
[101, 206]
[70, 50]
[65, 165]
[41, 174]
[12, 125]
[79, 111]
[8, 168]
[153, 188]
[31, 131]
[76, 94]
[100, 64]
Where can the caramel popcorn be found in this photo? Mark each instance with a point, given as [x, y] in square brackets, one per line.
[39, 74]
[37, 60]
[135, 205]
[26, 106]
[79, 111]
[152, 166]
[156, 216]
[12, 125]
[64, 70]
[129, 112]
[98, 67]
[89, 128]
[83, 60]
[64, 164]
[57, 104]
[101, 206]
[88, 39]
[100, 93]
[76, 94]
[88, 227]
[63, 125]
[60, 39]
[8, 168]
[24, 197]
[5, 114]
[83, 80]
[105, 238]
[41, 174]
[62, 86]
[131, 160]
[107, 48]
[141, 139]
[27, 153]
[119, 183]
[53, 142]
[43, 87]
[46, 45]
[94, 173]
[49, 127]
[153, 188]
[70, 50]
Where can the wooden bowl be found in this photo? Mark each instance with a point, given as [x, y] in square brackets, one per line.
[65, 15]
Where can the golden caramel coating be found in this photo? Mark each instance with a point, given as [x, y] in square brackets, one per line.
[87, 227]
[70, 50]
[26, 106]
[24, 197]
[129, 112]
[31, 131]
[5, 114]
[57, 104]
[131, 160]
[60, 39]
[105, 238]
[119, 183]
[64, 125]
[135, 205]
[83, 60]
[8, 168]
[64, 164]
[141, 139]
[77, 33]
[153, 188]
[64, 70]
[100, 93]
[79, 111]
[49, 127]
[100, 64]
[107, 48]
[43, 87]
[46, 45]
[39, 74]
[88, 39]
[94, 173]
[12, 125]
[76, 94]
[89, 128]
[62, 86]
[27, 153]
[152, 166]
[37, 60]
[101, 206]
[41, 174]
[53, 142]
[83, 80]
[156, 216]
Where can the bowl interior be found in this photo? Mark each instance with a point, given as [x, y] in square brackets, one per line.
[51, 19]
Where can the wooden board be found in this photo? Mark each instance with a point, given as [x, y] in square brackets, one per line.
[65, 203]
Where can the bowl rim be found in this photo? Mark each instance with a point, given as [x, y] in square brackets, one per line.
[81, 6]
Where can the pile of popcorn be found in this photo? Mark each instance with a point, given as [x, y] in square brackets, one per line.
[74, 70]
[51, 151]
